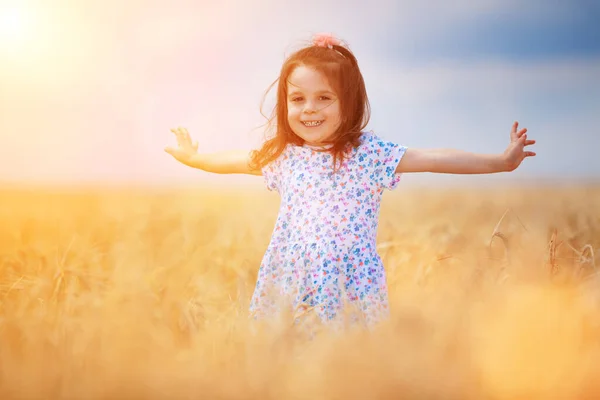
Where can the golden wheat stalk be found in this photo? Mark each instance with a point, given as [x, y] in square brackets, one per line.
[553, 246]
[584, 256]
[501, 277]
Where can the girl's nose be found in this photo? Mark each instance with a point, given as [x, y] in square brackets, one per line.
[309, 109]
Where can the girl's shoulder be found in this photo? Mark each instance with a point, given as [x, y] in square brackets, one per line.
[288, 151]
[371, 142]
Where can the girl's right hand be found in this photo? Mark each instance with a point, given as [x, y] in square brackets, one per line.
[185, 148]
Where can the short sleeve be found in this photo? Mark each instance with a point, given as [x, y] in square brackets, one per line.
[383, 158]
[272, 173]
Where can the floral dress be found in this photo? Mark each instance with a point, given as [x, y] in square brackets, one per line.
[322, 252]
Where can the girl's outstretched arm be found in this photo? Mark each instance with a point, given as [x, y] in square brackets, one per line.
[452, 161]
[224, 162]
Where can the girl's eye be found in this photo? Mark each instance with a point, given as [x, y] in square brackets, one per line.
[324, 98]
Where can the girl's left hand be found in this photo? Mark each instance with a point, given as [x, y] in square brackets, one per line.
[515, 153]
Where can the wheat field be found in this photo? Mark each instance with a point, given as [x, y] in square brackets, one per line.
[143, 294]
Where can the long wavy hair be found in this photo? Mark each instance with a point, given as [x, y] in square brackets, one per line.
[340, 68]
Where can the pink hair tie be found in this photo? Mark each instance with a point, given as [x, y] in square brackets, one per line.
[326, 40]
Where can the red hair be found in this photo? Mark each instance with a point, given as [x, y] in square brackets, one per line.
[340, 68]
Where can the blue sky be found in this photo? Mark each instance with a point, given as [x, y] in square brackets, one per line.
[546, 31]
[99, 84]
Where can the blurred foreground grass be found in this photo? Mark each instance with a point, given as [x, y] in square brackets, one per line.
[132, 294]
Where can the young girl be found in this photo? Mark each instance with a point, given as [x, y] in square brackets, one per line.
[331, 174]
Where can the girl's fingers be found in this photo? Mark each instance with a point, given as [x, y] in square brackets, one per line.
[513, 131]
[183, 137]
[179, 137]
[529, 142]
[529, 154]
[521, 132]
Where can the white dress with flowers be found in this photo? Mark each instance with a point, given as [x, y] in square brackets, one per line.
[322, 251]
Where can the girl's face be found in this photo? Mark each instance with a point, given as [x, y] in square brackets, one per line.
[313, 107]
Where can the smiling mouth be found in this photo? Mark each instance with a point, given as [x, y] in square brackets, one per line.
[312, 123]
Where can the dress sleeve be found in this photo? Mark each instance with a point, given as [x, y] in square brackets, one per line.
[272, 173]
[384, 157]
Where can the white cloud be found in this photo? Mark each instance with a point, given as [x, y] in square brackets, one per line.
[502, 78]
[471, 106]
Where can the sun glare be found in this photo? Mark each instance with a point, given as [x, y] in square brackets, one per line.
[23, 37]
[11, 25]
[13, 32]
